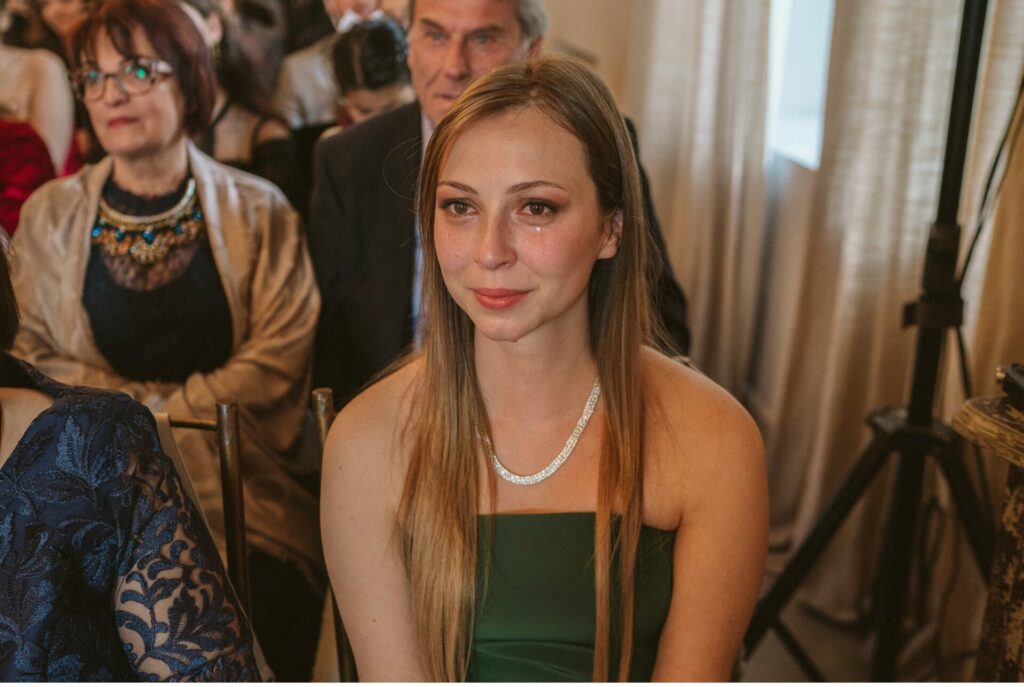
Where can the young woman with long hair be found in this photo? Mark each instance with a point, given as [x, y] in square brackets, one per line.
[456, 546]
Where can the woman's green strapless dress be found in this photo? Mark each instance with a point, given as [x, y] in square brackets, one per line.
[536, 612]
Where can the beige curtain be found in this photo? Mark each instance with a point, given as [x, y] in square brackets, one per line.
[886, 110]
[698, 86]
[998, 335]
[876, 193]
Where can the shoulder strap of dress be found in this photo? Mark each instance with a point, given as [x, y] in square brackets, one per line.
[207, 139]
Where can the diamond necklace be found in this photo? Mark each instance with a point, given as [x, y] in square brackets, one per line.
[570, 444]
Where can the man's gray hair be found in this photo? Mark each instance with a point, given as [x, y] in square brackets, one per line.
[532, 15]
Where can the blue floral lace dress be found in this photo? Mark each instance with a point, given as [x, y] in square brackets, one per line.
[107, 571]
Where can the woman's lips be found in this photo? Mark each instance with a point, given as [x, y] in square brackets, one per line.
[119, 121]
[498, 299]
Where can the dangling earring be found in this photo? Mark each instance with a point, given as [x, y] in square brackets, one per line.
[216, 56]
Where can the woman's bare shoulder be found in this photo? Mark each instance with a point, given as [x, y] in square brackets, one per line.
[686, 395]
[270, 129]
[20, 408]
[700, 439]
[22, 404]
[368, 436]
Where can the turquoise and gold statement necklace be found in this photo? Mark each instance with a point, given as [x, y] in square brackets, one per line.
[148, 239]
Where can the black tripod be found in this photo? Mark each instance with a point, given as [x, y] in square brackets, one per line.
[913, 434]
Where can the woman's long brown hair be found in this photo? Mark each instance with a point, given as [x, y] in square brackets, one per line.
[441, 496]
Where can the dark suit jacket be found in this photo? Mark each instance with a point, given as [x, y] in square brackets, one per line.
[361, 239]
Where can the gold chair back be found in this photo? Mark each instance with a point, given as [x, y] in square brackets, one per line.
[323, 414]
[229, 445]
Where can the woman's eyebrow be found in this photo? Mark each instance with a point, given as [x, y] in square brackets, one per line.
[457, 185]
[516, 188]
[527, 185]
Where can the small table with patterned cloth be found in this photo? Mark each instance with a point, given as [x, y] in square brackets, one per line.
[994, 424]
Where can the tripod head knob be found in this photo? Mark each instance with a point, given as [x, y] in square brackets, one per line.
[1011, 379]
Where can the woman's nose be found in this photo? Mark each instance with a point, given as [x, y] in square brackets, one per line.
[494, 248]
[115, 92]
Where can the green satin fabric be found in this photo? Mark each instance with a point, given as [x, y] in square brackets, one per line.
[536, 611]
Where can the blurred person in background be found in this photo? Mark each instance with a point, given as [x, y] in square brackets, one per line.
[35, 91]
[370, 71]
[63, 17]
[262, 35]
[306, 22]
[180, 281]
[306, 92]
[245, 131]
[24, 166]
[22, 26]
[396, 9]
[57, 21]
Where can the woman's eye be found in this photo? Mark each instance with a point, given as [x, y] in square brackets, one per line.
[456, 207]
[536, 208]
[139, 71]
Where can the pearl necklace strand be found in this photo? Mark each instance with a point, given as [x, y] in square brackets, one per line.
[570, 444]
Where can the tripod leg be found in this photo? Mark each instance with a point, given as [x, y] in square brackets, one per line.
[864, 470]
[977, 524]
[798, 653]
[894, 570]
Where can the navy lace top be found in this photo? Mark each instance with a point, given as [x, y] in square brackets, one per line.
[107, 572]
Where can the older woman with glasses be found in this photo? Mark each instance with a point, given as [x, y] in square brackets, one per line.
[109, 573]
[178, 280]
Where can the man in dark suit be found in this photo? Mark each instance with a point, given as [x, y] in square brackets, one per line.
[362, 225]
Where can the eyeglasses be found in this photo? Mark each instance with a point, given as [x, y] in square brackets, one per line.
[134, 76]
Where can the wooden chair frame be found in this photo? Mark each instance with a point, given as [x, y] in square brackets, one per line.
[229, 446]
[323, 414]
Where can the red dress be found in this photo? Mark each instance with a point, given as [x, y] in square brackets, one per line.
[24, 166]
